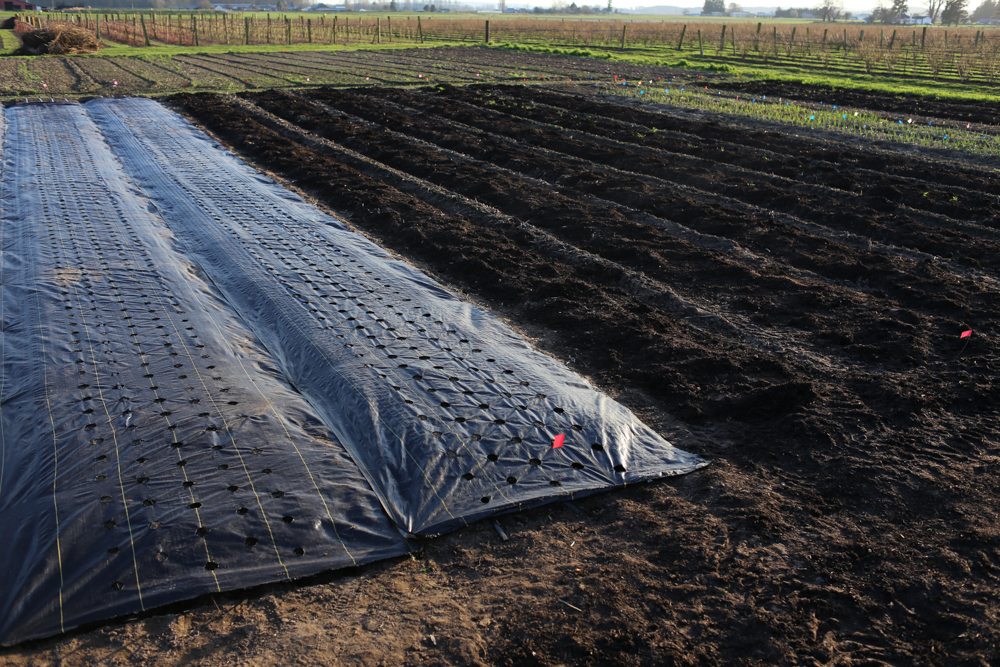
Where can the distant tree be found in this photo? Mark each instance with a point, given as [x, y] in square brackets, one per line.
[986, 11]
[798, 12]
[893, 14]
[934, 9]
[733, 9]
[954, 12]
[831, 10]
[714, 7]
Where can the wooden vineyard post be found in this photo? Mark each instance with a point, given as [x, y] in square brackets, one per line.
[246, 30]
[487, 36]
[145, 35]
[756, 38]
[333, 31]
[388, 29]
[309, 31]
[194, 29]
[680, 42]
[623, 36]
[774, 38]
[268, 28]
[923, 38]
[722, 38]
[420, 30]
[892, 40]
[378, 30]
[701, 47]
[845, 39]
[288, 30]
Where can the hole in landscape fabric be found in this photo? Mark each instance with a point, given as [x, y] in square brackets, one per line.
[210, 384]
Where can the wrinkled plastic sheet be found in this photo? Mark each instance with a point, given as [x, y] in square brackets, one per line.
[209, 384]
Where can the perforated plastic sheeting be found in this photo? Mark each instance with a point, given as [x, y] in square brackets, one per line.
[209, 384]
[151, 451]
[450, 414]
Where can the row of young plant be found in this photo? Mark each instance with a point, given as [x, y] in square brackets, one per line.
[869, 125]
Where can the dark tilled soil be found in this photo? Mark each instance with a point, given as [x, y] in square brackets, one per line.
[788, 307]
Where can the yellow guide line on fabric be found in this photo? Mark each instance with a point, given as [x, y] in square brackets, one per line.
[194, 366]
[114, 439]
[118, 459]
[197, 510]
[55, 469]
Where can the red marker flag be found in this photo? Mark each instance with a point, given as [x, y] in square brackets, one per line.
[558, 441]
[966, 333]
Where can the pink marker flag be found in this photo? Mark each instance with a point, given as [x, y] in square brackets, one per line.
[558, 441]
[966, 333]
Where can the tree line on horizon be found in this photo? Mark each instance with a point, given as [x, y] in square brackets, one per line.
[948, 12]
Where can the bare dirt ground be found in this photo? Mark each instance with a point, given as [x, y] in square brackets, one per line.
[787, 306]
[55, 77]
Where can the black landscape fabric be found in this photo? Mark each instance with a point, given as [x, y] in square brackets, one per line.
[209, 384]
